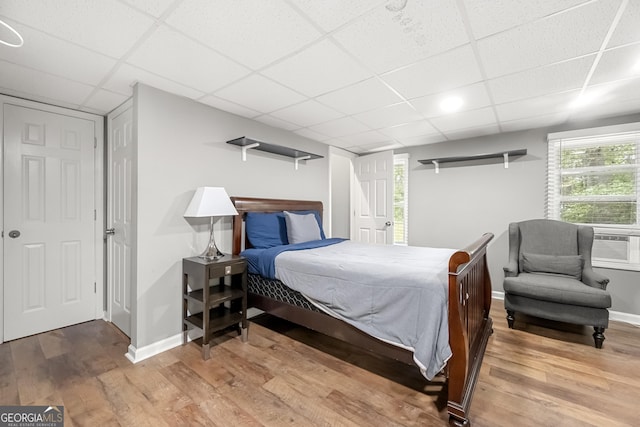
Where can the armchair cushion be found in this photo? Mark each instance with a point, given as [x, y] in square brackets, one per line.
[557, 288]
[569, 265]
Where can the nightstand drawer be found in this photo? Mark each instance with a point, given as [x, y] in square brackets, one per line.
[227, 269]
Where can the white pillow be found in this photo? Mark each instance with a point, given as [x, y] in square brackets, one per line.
[301, 228]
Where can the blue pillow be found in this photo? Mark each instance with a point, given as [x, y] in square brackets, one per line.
[266, 230]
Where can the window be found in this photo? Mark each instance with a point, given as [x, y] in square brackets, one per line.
[400, 199]
[593, 179]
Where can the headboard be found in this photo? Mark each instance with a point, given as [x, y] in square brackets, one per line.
[250, 204]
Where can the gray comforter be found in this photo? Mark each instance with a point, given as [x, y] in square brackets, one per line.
[395, 293]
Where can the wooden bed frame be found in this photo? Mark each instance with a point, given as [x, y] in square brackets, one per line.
[469, 303]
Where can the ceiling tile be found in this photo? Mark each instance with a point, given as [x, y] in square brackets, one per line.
[617, 64]
[472, 132]
[340, 127]
[126, 76]
[621, 97]
[363, 96]
[422, 140]
[538, 106]
[331, 14]
[254, 33]
[627, 30]
[439, 73]
[365, 138]
[541, 81]
[474, 96]
[581, 30]
[224, 105]
[276, 123]
[405, 31]
[272, 95]
[105, 101]
[54, 56]
[490, 17]
[307, 113]
[174, 56]
[410, 130]
[465, 120]
[389, 116]
[88, 23]
[152, 7]
[41, 86]
[611, 109]
[311, 134]
[318, 69]
[534, 122]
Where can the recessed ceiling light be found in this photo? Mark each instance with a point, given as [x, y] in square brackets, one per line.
[18, 42]
[451, 104]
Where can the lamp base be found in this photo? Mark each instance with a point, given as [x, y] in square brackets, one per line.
[207, 257]
[211, 252]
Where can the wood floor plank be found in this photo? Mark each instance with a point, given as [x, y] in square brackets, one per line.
[293, 394]
[32, 371]
[8, 377]
[129, 404]
[86, 403]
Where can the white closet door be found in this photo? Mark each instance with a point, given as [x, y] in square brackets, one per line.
[49, 220]
[119, 217]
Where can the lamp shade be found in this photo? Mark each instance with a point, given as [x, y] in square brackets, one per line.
[209, 202]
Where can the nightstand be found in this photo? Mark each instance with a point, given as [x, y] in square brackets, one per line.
[217, 291]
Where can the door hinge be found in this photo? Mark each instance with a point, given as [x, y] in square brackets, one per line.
[94, 287]
[95, 142]
[95, 215]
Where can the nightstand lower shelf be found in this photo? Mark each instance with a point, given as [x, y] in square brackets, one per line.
[218, 319]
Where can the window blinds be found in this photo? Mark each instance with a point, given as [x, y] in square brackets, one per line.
[594, 179]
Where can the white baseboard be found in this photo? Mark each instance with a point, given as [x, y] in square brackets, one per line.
[619, 316]
[136, 355]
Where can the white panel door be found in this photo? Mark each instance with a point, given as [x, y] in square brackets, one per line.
[49, 220]
[373, 222]
[119, 248]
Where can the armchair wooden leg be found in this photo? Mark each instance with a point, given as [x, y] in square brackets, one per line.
[510, 318]
[598, 336]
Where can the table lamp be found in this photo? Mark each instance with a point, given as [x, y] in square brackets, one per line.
[210, 202]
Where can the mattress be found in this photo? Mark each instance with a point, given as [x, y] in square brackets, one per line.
[275, 289]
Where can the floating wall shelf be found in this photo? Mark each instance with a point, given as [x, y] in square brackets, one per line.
[247, 143]
[502, 154]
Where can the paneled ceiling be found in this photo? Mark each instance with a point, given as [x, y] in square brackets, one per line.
[363, 75]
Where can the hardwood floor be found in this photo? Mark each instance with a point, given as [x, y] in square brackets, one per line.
[539, 374]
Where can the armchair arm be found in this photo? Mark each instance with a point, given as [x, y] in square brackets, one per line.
[593, 279]
[511, 270]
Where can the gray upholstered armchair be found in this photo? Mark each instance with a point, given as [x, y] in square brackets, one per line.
[550, 276]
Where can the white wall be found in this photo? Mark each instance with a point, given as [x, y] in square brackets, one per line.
[454, 207]
[181, 146]
[340, 162]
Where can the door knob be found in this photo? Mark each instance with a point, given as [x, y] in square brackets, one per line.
[388, 223]
[109, 231]
[14, 234]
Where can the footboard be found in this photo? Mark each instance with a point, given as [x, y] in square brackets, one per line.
[469, 325]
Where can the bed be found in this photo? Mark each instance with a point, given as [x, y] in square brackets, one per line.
[468, 301]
